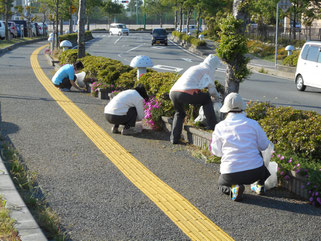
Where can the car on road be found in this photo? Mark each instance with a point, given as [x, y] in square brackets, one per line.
[118, 29]
[308, 70]
[13, 29]
[42, 29]
[159, 36]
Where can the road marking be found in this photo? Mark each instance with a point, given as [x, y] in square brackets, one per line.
[158, 47]
[169, 68]
[117, 40]
[135, 48]
[187, 60]
[187, 217]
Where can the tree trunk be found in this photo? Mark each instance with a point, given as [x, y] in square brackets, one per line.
[176, 18]
[198, 22]
[70, 20]
[240, 14]
[81, 29]
[61, 26]
[180, 19]
[87, 20]
[231, 85]
[189, 14]
[57, 22]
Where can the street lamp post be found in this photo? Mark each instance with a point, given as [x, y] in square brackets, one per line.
[276, 34]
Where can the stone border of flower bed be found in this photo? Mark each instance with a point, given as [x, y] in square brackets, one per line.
[294, 183]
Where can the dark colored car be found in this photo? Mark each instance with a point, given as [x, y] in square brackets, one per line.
[159, 36]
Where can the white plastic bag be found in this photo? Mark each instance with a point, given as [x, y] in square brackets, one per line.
[272, 181]
[81, 79]
[201, 116]
[267, 154]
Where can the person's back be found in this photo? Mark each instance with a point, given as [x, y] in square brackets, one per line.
[241, 145]
[66, 71]
[239, 141]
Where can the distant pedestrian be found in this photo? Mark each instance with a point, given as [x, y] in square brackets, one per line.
[188, 90]
[64, 78]
[126, 108]
[239, 141]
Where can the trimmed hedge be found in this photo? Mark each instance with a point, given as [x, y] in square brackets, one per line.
[189, 39]
[69, 56]
[72, 37]
[289, 129]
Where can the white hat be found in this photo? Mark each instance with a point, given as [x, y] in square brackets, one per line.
[233, 102]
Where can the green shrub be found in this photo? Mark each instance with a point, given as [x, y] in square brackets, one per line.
[72, 37]
[158, 84]
[257, 110]
[127, 80]
[292, 59]
[104, 69]
[294, 130]
[69, 56]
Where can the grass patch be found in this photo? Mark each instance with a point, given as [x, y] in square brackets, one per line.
[26, 184]
[7, 230]
[262, 71]
[7, 43]
[203, 153]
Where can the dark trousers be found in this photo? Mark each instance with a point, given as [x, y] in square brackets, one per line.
[65, 84]
[179, 99]
[225, 181]
[128, 120]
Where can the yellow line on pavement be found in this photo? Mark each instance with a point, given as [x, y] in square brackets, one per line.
[187, 217]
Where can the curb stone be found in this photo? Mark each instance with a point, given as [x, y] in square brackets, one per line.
[27, 227]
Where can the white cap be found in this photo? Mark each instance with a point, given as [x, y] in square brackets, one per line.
[233, 102]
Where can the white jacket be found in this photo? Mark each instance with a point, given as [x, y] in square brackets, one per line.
[200, 76]
[120, 104]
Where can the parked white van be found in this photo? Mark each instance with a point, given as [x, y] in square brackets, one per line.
[118, 29]
[308, 70]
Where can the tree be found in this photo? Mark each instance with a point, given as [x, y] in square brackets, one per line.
[156, 7]
[81, 29]
[5, 6]
[90, 6]
[112, 9]
[232, 50]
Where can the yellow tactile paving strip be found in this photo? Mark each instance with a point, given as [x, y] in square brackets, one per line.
[187, 217]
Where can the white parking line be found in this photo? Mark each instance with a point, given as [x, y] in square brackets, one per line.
[187, 60]
[169, 68]
[135, 48]
[117, 40]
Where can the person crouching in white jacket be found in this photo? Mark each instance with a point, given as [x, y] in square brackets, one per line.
[188, 90]
[126, 108]
[239, 141]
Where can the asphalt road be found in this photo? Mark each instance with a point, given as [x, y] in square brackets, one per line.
[94, 199]
[172, 58]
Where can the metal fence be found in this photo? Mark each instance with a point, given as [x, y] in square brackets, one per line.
[268, 33]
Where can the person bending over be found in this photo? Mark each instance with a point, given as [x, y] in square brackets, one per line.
[239, 141]
[188, 90]
[126, 108]
[64, 78]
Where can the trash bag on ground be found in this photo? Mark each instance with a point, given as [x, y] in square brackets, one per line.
[272, 181]
[201, 116]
